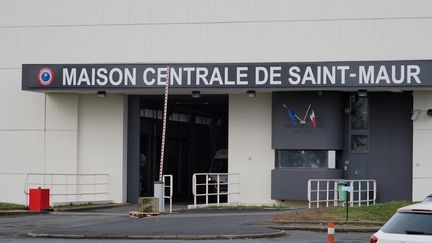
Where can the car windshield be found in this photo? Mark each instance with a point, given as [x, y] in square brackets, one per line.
[409, 223]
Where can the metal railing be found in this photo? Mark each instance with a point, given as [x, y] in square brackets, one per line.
[326, 191]
[168, 178]
[213, 186]
[69, 187]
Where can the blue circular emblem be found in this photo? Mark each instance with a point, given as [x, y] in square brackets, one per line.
[45, 76]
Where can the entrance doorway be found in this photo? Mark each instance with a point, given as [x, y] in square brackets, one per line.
[196, 129]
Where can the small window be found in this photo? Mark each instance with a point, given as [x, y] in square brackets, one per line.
[184, 118]
[149, 113]
[174, 117]
[323, 159]
[359, 116]
[202, 120]
[359, 143]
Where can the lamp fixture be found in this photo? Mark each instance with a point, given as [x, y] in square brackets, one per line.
[251, 93]
[196, 94]
[101, 94]
[362, 93]
[348, 110]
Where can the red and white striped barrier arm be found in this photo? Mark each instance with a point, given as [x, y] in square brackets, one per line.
[164, 125]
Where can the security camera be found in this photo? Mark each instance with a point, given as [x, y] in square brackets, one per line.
[429, 112]
[415, 114]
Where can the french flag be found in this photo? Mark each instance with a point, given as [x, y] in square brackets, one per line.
[313, 119]
[291, 115]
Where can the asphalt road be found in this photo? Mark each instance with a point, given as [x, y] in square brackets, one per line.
[115, 223]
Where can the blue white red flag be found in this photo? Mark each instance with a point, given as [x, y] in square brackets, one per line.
[291, 115]
[313, 119]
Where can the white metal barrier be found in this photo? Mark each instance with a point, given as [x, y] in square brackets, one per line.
[70, 187]
[211, 186]
[168, 178]
[326, 191]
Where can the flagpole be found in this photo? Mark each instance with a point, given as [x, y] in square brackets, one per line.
[307, 112]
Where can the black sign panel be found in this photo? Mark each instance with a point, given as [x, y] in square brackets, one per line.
[306, 120]
[291, 75]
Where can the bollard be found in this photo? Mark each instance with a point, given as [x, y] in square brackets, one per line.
[159, 192]
[330, 233]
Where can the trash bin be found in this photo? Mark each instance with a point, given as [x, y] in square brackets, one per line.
[342, 195]
[39, 199]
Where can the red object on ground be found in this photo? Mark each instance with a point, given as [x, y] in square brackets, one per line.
[39, 199]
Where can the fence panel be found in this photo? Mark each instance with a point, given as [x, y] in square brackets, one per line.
[325, 191]
[70, 188]
[215, 189]
[168, 189]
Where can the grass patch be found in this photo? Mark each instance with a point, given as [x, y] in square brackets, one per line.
[378, 212]
[11, 206]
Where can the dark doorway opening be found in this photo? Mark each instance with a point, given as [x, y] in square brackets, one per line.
[196, 129]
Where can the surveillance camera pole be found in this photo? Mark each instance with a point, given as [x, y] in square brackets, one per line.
[159, 187]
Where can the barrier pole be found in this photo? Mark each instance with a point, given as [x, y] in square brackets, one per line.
[331, 233]
[164, 124]
[159, 190]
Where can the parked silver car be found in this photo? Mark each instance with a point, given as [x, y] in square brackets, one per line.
[411, 224]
